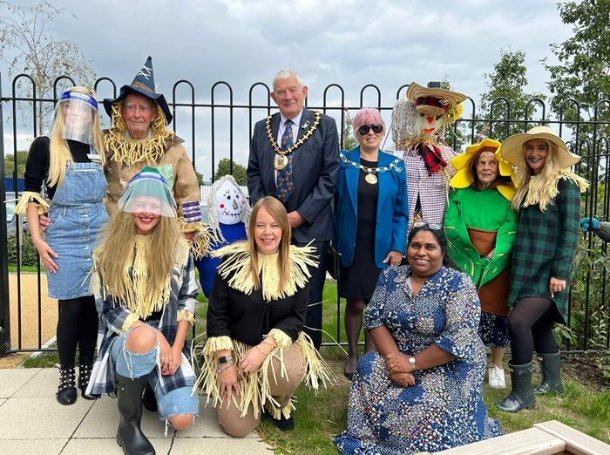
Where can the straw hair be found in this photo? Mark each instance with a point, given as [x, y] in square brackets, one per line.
[59, 153]
[114, 259]
[277, 211]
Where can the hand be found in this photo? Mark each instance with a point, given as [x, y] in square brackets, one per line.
[556, 285]
[403, 379]
[228, 383]
[393, 258]
[46, 254]
[44, 221]
[165, 354]
[490, 255]
[295, 219]
[396, 362]
[176, 361]
[254, 358]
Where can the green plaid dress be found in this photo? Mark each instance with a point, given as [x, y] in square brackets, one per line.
[545, 247]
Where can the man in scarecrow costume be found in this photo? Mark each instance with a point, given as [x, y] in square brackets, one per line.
[418, 125]
[140, 137]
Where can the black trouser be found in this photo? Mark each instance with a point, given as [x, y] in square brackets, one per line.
[313, 321]
[530, 327]
[76, 325]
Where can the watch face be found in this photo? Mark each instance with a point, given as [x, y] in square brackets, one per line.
[224, 359]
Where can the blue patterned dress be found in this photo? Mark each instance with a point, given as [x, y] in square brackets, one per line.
[445, 407]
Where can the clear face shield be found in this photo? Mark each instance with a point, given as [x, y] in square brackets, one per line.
[148, 192]
[78, 110]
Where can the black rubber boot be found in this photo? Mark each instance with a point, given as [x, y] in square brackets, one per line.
[521, 395]
[129, 434]
[149, 400]
[84, 375]
[66, 390]
[551, 380]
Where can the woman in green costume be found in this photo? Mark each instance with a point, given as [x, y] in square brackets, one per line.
[480, 225]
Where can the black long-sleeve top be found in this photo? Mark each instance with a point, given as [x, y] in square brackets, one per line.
[247, 318]
[37, 165]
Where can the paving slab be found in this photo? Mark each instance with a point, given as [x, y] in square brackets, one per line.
[32, 446]
[105, 446]
[11, 380]
[213, 446]
[40, 418]
[42, 384]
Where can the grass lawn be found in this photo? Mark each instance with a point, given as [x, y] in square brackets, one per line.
[585, 406]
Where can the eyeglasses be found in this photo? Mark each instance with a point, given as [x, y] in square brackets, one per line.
[432, 226]
[364, 129]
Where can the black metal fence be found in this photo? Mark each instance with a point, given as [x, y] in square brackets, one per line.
[218, 125]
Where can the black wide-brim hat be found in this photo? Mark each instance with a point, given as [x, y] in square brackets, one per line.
[143, 84]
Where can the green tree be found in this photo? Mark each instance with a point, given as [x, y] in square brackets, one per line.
[583, 72]
[9, 163]
[506, 98]
[239, 171]
[26, 41]
[349, 141]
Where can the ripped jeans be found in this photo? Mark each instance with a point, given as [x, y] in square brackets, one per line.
[132, 365]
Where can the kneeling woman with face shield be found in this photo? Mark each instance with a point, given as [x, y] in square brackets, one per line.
[64, 177]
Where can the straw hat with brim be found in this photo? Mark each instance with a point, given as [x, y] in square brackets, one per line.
[433, 100]
[512, 148]
[143, 84]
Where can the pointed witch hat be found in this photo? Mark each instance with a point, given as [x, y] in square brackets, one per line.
[143, 84]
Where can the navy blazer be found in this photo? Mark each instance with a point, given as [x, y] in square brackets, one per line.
[315, 165]
[392, 207]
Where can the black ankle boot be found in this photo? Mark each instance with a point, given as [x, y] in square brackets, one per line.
[551, 379]
[129, 434]
[66, 391]
[84, 375]
[521, 395]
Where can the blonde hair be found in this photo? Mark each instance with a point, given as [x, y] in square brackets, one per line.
[544, 187]
[59, 152]
[277, 211]
[114, 257]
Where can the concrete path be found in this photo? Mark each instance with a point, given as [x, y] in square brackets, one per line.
[32, 422]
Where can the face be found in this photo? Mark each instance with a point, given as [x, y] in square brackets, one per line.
[138, 113]
[487, 169]
[230, 204]
[370, 140]
[536, 151]
[424, 254]
[146, 214]
[76, 112]
[267, 233]
[289, 97]
[428, 124]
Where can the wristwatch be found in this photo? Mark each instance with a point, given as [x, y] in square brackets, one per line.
[224, 359]
[412, 362]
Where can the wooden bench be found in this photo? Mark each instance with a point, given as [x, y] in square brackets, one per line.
[546, 438]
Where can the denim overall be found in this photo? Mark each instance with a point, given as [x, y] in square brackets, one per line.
[77, 215]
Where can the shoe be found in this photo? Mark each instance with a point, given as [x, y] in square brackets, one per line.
[84, 375]
[521, 395]
[496, 377]
[66, 390]
[129, 399]
[149, 400]
[551, 381]
[282, 424]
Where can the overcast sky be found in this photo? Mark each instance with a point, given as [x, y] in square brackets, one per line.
[348, 42]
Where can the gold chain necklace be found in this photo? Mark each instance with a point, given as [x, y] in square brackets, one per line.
[281, 160]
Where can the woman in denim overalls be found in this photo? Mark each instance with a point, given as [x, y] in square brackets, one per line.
[68, 166]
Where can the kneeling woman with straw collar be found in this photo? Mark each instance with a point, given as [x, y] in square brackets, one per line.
[256, 354]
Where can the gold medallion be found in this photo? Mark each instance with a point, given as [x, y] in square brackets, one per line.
[371, 179]
[281, 161]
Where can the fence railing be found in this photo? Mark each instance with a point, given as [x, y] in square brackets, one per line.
[218, 123]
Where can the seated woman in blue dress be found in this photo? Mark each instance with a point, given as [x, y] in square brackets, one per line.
[422, 389]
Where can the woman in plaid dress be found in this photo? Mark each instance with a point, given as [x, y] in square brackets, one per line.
[548, 201]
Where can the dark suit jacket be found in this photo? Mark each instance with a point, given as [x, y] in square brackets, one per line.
[392, 209]
[315, 165]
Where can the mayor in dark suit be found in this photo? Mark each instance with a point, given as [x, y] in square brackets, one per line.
[294, 156]
[370, 221]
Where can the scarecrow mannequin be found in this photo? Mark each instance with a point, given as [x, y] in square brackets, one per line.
[228, 212]
[418, 126]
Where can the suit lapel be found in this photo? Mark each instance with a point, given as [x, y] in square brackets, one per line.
[352, 174]
[306, 122]
[269, 166]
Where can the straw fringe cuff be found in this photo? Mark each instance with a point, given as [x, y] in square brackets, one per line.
[35, 198]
